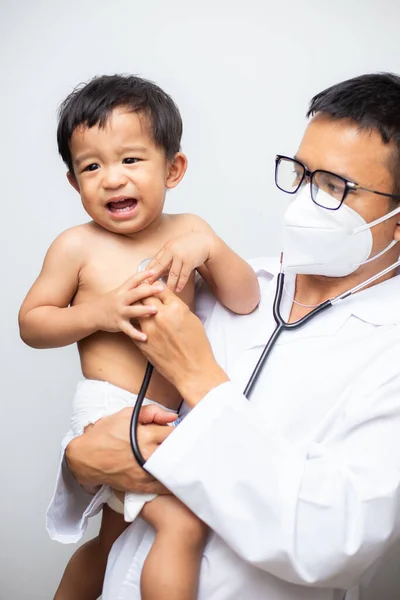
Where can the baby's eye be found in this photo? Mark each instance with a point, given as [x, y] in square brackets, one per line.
[130, 161]
[91, 167]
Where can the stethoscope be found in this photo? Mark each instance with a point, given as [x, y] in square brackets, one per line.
[280, 327]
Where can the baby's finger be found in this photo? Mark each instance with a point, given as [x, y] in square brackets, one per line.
[160, 264]
[139, 310]
[174, 273]
[183, 278]
[165, 297]
[145, 290]
[133, 333]
[138, 278]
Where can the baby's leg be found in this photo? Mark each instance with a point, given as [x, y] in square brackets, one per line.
[83, 578]
[171, 570]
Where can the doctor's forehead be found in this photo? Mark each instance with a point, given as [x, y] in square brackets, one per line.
[340, 146]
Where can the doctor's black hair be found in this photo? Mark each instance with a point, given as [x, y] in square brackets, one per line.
[373, 102]
[91, 104]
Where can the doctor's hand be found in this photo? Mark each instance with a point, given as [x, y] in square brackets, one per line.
[178, 348]
[103, 454]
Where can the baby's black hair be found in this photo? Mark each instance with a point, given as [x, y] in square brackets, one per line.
[92, 103]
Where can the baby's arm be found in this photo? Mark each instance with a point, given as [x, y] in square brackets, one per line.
[231, 279]
[46, 318]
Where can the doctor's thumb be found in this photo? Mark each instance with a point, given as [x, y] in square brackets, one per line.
[155, 414]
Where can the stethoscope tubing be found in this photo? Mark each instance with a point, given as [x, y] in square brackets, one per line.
[135, 415]
[281, 326]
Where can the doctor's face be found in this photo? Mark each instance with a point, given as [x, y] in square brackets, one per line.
[362, 157]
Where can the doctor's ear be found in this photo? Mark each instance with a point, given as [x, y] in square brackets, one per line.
[397, 232]
[72, 180]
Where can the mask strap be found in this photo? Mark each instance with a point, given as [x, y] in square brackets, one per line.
[394, 212]
[392, 243]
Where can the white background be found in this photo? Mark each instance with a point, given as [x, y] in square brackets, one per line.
[242, 74]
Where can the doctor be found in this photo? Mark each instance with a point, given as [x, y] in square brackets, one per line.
[300, 486]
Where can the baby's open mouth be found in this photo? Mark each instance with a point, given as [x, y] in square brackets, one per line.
[123, 205]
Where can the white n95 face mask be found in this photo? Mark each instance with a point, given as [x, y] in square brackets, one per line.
[334, 243]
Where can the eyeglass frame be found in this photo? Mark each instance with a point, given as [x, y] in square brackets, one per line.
[349, 185]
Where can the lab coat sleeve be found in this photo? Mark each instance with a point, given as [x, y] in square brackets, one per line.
[206, 301]
[319, 516]
[69, 502]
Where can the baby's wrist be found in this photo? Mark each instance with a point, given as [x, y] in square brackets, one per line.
[94, 314]
[215, 247]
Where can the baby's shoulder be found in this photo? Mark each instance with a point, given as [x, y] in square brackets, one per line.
[76, 242]
[187, 222]
[75, 238]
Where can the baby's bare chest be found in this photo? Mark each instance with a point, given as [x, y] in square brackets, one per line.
[108, 271]
[109, 266]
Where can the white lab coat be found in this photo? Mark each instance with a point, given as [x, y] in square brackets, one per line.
[301, 485]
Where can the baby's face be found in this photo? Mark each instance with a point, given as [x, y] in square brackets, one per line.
[120, 173]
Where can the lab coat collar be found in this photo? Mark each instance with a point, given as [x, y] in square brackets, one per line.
[377, 305]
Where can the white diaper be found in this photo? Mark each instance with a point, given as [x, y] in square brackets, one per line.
[97, 399]
[68, 513]
[116, 504]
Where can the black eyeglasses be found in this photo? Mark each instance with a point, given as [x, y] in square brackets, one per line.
[328, 190]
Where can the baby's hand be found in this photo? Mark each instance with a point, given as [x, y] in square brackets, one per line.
[180, 256]
[114, 311]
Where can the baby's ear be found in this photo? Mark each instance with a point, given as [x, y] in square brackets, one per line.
[176, 170]
[72, 180]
